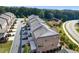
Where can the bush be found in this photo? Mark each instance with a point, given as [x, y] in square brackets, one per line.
[26, 49]
[72, 46]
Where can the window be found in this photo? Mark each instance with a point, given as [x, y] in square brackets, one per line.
[45, 40]
[40, 45]
[52, 44]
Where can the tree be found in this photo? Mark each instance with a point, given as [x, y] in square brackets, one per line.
[41, 14]
[2, 10]
[72, 46]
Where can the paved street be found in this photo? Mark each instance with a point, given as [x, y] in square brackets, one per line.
[16, 42]
[69, 28]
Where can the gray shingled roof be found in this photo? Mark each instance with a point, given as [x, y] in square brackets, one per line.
[36, 19]
[35, 25]
[5, 19]
[3, 24]
[40, 20]
[5, 16]
[43, 32]
[39, 28]
[32, 20]
[2, 21]
[9, 14]
[32, 17]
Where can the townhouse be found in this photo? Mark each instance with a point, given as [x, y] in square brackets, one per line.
[45, 39]
[6, 21]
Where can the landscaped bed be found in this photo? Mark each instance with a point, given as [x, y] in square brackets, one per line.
[5, 47]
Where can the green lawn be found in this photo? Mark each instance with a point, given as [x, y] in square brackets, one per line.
[26, 49]
[5, 47]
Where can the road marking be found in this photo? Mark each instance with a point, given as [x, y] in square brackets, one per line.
[64, 25]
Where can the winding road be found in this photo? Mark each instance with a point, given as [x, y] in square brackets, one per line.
[69, 29]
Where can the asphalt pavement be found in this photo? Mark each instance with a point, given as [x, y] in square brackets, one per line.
[69, 28]
[16, 41]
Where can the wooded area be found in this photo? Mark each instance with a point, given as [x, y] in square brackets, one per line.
[43, 13]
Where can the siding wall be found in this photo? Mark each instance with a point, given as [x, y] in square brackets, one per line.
[47, 43]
